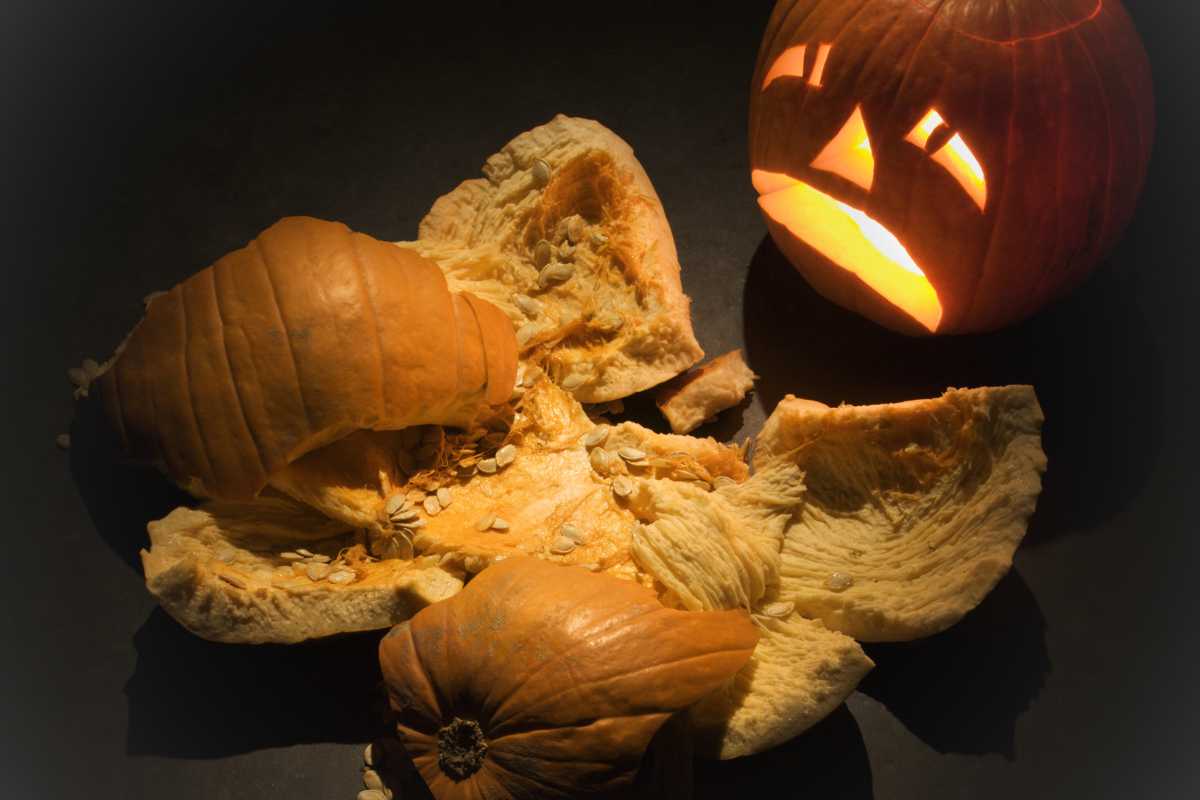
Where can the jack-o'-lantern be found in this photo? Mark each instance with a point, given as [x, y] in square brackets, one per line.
[949, 166]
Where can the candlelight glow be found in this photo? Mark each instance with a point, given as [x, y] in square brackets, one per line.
[849, 153]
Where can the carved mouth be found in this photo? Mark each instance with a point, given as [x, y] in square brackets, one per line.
[851, 239]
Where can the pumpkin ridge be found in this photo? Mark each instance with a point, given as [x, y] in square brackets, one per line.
[189, 395]
[256, 246]
[237, 394]
[368, 293]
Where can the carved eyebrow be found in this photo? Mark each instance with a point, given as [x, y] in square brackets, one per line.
[790, 64]
[954, 155]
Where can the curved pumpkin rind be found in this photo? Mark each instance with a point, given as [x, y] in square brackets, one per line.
[569, 674]
[305, 335]
[1054, 100]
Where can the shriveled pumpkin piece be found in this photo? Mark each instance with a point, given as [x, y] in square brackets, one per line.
[276, 571]
[697, 397]
[913, 509]
[566, 234]
[540, 681]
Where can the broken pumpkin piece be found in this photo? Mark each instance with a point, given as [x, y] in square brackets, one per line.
[275, 571]
[566, 234]
[913, 510]
[697, 397]
[540, 681]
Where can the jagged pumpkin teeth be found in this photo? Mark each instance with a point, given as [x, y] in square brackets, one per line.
[444, 497]
[487, 466]
[541, 172]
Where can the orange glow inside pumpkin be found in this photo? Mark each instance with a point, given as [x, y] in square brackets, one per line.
[849, 153]
[789, 65]
[819, 68]
[955, 156]
[851, 239]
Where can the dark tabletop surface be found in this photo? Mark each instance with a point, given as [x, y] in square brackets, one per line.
[141, 142]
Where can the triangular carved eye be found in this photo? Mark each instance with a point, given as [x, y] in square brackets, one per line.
[849, 154]
[954, 155]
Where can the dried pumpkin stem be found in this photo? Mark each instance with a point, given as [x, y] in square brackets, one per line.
[461, 748]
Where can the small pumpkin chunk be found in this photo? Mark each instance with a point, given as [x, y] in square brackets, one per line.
[545, 681]
[697, 397]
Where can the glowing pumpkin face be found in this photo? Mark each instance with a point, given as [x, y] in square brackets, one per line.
[947, 166]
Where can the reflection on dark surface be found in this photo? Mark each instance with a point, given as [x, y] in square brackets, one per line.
[120, 498]
[828, 761]
[190, 698]
[1101, 438]
[963, 690]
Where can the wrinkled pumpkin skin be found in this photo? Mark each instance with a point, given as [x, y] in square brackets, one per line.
[543, 681]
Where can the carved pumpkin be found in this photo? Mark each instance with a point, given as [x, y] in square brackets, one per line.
[948, 166]
[544, 681]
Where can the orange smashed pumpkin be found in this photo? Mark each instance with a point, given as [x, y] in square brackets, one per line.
[543, 681]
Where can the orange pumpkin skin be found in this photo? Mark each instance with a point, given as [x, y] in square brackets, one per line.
[544, 681]
[1052, 99]
[306, 335]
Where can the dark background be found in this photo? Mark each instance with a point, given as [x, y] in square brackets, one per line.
[142, 141]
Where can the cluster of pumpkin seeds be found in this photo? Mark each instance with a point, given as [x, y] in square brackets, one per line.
[373, 783]
[316, 567]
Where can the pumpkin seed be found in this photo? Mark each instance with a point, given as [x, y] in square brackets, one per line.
[298, 568]
[474, 563]
[371, 794]
[317, 572]
[562, 545]
[290, 556]
[631, 454]
[554, 274]
[487, 466]
[571, 532]
[599, 239]
[542, 252]
[575, 227]
[372, 780]
[499, 524]
[406, 515]
[506, 455]
[444, 497]
[431, 505]
[528, 306]
[303, 552]
[413, 524]
[622, 486]
[779, 609]
[321, 559]
[599, 459]
[541, 172]
[232, 581]
[394, 504]
[369, 755]
[78, 376]
[573, 381]
[839, 582]
[63, 440]
[527, 332]
[566, 251]
[596, 436]
[485, 522]
[341, 576]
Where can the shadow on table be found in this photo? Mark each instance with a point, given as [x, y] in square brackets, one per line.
[190, 698]
[963, 690]
[120, 498]
[829, 760]
[1091, 357]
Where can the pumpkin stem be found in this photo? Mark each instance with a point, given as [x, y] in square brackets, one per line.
[461, 748]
